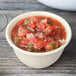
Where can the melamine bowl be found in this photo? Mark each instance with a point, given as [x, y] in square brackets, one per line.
[32, 59]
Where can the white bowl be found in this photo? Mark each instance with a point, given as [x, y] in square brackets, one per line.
[38, 60]
[61, 4]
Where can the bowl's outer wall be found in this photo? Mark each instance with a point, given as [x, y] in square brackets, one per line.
[38, 61]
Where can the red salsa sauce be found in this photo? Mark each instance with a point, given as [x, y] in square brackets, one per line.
[38, 34]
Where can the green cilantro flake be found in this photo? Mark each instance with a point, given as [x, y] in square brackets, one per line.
[53, 44]
[30, 48]
[40, 42]
[53, 31]
[25, 22]
[30, 29]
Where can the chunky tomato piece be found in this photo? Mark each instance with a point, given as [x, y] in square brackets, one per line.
[40, 44]
[32, 26]
[47, 30]
[48, 46]
[21, 32]
[33, 20]
[43, 25]
[52, 45]
[33, 40]
[24, 42]
[20, 22]
[53, 30]
[50, 30]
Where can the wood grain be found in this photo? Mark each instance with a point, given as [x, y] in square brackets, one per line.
[10, 64]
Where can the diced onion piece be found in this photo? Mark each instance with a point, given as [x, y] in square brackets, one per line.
[37, 34]
[40, 35]
[62, 41]
[44, 21]
[21, 32]
[56, 26]
[24, 46]
[29, 36]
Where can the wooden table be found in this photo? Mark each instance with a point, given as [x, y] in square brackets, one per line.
[10, 64]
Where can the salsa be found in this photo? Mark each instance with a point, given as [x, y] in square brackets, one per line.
[38, 34]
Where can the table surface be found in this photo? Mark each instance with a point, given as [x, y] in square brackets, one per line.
[10, 64]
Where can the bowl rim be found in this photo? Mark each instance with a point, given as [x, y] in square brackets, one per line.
[40, 53]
